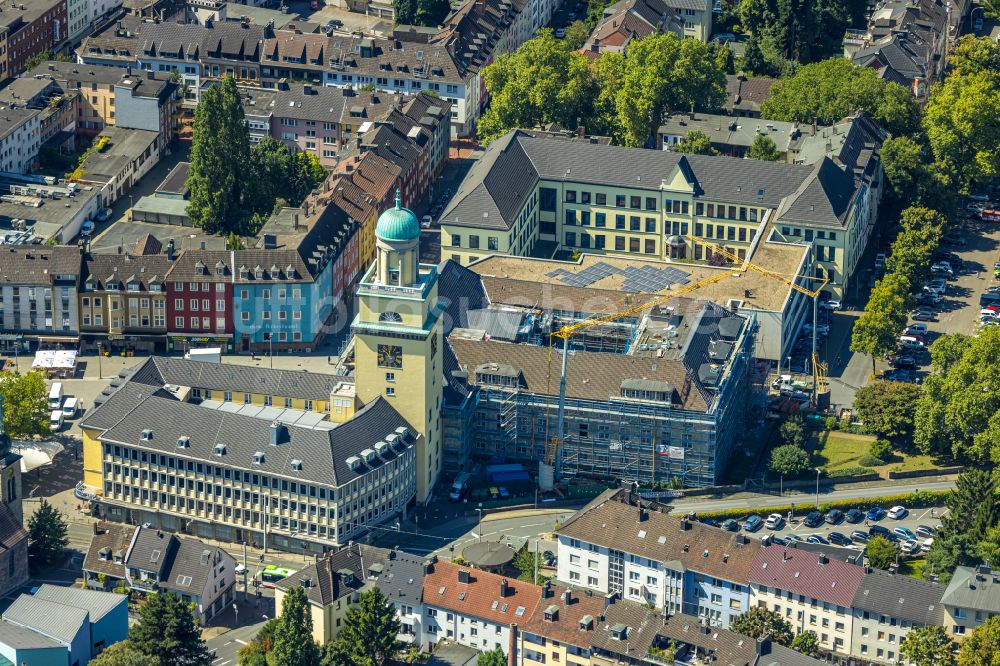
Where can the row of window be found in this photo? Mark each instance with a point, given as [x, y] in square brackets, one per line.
[205, 305]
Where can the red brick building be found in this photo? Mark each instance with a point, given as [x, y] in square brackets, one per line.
[200, 300]
[27, 28]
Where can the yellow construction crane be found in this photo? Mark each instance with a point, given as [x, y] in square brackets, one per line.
[568, 331]
[819, 369]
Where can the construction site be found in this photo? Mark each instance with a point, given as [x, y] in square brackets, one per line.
[609, 368]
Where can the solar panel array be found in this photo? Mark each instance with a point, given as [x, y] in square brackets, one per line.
[638, 279]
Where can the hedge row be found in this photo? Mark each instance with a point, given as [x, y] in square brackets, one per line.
[917, 500]
[844, 472]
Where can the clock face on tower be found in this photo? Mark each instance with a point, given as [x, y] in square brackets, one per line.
[390, 356]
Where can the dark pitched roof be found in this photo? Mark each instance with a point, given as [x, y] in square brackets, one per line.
[336, 575]
[747, 93]
[148, 243]
[201, 266]
[400, 576]
[460, 290]
[307, 102]
[110, 540]
[900, 596]
[806, 573]
[152, 550]
[126, 269]
[610, 521]
[190, 565]
[21, 264]
[641, 625]
[566, 624]
[823, 198]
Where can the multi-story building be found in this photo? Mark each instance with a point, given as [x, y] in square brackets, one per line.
[13, 537]
[971, 598]
[57, 108]
[307, 118]
[286, 290]
[38, 299]
[811, 591]
[126, 156]
[200, 300]
[886, 608]
[627, 20]
[398, 337]
[20, 138]
[733, 136]
[623, 545]
[474, 608]
[30, 28]
[570, 194]
[208, 449]
[359, 207]
[201, 575]
[115, 95]
[104, 561]
[123, 299]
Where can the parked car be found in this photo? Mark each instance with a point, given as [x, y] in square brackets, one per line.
[916, 329]
[903, 532]
[425, 223]
[859, 536]
[854, 516]
[814, 519]
[774, 521]
[942, 268]
[753, 523]
[730, 525]
[816, 538]
[925, 545]
[880, 260]
[929, 298]
[793, 537]
[834, 517]
[898, 512]
[878, 530]
[903, 361]
[923, 314]
[925, 531]
[953, 239]
[910, 342]
[875, 513]
[86, 228]
[838, 539]
[831, 305]
[909, 546]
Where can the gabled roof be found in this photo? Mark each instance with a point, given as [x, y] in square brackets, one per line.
[806, 573]
[125, 269]
[824, 198]
[899, 596]
[190, 566]
[109, 540]
[568, 624]
[54, 620]
[96, 603]
[975, 588]
[336, 575]
[38, 265]
[480, 597]
[400, 576]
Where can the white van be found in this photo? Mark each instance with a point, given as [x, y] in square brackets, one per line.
[56, 420]
[460, 487]
[69, 407]
[56, 396]
[910, 342]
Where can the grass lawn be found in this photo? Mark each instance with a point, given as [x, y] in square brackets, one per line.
[914, 461]
[835, 449]
[912, 568]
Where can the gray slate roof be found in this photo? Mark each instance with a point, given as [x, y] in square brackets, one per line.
[242, 378]
[22, 638]
[325, 582]
[971, 589]
[21, 264]
[402, 577]
[187, 573]
[899, 596]
[151, 550]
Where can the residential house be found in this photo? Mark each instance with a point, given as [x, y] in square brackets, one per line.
[745, 94]
[38, 300]
[147, 101]
[28, 29]
[636, 549]
[307, 119]
[20, 138]
[298, 483]
[359, 207]
[58, 108]
[332, 585]
[104, 561]
[694, 644]
[628, 20]
[811, 591]
[376, 176]
[887, 607]
[400, 577]
[123, 299]
[971, 598]
[562, 625]
[474, 608]
[200, 300]
[199, 574]
[56, 625]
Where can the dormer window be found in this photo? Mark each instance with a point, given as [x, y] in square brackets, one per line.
[244, 272]
[552, 613]
[297, 465]
[290, 271]
[183, 442]
[147, 435]
[220, 268]
[258, 458]
[258, 273]
[200, 268]
[220, 450]
[619, 632]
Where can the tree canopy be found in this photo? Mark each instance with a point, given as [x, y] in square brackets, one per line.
[887, 408]
[293, 644]
[881, 552]
[797, 31]
[166, 631]
[807, 643]
[368, 636]
[788, 460]
[826, 91]
[928, 646]
[427, 13]
[123, 653]
[763, 148]
[968, 531]
[47, 535]
[695, 142]
[494, 657]
[981, 647]
[25, 404]
[760, 622]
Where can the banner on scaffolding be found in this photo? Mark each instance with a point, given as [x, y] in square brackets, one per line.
[672, 452]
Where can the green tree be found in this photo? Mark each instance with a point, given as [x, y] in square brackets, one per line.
[886, 409]
[166, 631]
[972, 505]
[881, 552]
[788, 460]
[982, 646]
[946, 553]
[881, 449]
[792, 432]
[494, 657]
[695, 142]
[220, 160]
[928, 646]
[47, 538]
[763, 148]
[827, 91]
[878, 328]
[293, 642]
[431, 13]
[524, 562]
[123, 653]
[404, 12]
[962, 123]
[337, 653]
[760, 622]
[807, 643]
[972, 55]
[947, 350]
[370, 629]
[576, 35]
[540, 82]
[45, 56]
[25, 404]
[255, 652]
[988, 548]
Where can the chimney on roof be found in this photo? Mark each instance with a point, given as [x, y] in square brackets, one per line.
[609, 599]
[463, 576]
[764, 646]
[685, 525]
[784, 555]
[428, 567]
[295, 221]
[643, 515]
[567, 597]
[547, 589]
[170, 250]
[823, 559]
[504, 588]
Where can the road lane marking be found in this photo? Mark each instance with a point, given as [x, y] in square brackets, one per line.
[241, 642]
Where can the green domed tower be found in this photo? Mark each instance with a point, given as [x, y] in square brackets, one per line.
[397, 237]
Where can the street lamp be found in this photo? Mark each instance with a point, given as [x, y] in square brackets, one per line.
[479, 526]
[818, 471]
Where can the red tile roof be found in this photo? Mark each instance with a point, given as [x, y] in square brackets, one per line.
[480, 597]
[803, 572]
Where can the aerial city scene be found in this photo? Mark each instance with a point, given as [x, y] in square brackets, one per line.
[499, 332]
